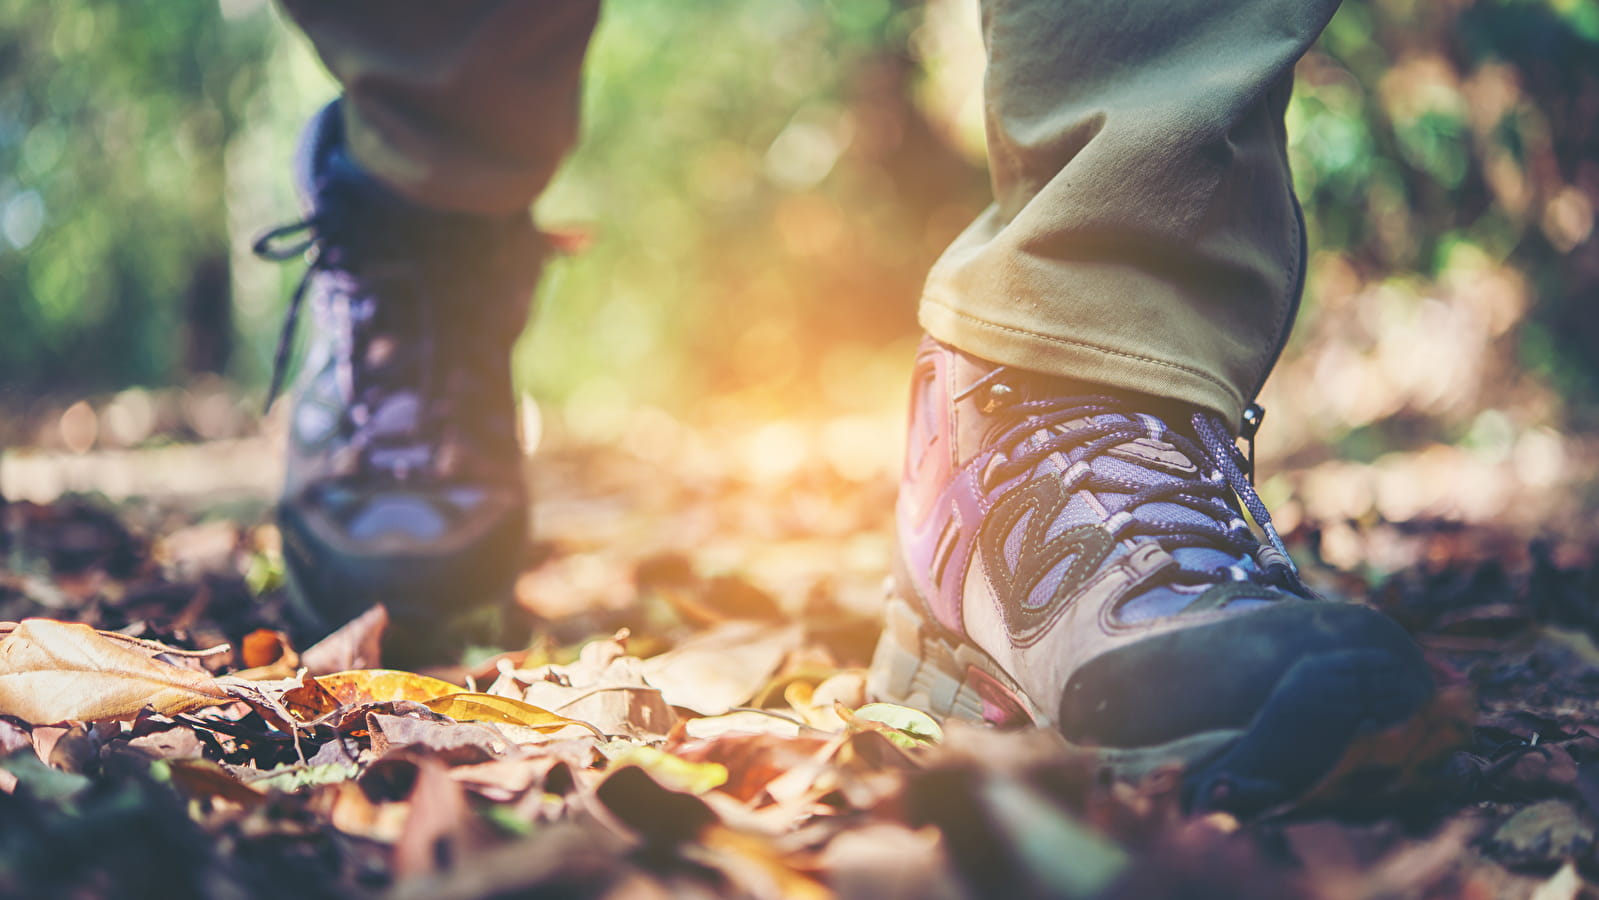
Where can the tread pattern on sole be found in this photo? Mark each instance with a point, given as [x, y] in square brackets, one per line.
[943, 678]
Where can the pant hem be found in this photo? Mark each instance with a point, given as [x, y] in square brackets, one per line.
[1072, 357]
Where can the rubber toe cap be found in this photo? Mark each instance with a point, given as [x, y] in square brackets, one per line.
[1353, 662]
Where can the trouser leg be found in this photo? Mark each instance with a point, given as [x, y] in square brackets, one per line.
[467, 105]
[1144, 234]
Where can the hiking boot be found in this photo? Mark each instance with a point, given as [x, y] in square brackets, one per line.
[405, 482]
[1074, 560]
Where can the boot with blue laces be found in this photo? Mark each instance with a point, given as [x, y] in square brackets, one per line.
[405, 472]
[1079, 561]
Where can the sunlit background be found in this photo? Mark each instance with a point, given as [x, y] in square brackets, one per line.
[764, 183]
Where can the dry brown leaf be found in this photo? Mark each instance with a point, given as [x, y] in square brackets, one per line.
[742, 722]
[357, 644]
[753, 761]
[71, 748]
[263, 647]
[656, 814]
[758, 868]
[453, 742]
[308, 700]
[202, 779]
[171, 743]
[889, 860]
[605, 688]
[1565, 884]
[503, 780]
[440, 827]
[59, 671]
[13, 737]
[267, 656]
[354, 813]
[722, 668]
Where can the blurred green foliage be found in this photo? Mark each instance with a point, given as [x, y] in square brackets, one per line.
[766, 182]
[764, 195]
[1426, 134]
[114, 118]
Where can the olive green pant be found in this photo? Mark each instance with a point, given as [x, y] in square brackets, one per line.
[1144, 234]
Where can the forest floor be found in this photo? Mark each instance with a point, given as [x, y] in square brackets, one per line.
[691, 720]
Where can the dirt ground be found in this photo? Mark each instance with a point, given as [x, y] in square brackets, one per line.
[690, 719]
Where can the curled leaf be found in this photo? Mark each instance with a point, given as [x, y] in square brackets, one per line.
[59, 671]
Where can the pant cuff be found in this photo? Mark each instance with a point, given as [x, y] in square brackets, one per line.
[1071, 357]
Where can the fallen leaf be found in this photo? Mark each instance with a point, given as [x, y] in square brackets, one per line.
[906, 727]
[563, 860]
[297, 777]
[357, 644]
[1009, 837]
[383, 685]
[1544, 833]
[674, 772]
[721, 669]
[474, 707]
[847, 688]
[42, 781]
[355, 813]
[308, 700]
[202, 779]
[264, 647]
[13, 737]
[655, 813]
[742, 722]
[753, 761]
[889, 861]
[440, 829]
[58, 671]
[1417, 867]
[171, 743]
[757, 868]
[605, 688]
[454, 742]
[1565, 884]
[503, 780]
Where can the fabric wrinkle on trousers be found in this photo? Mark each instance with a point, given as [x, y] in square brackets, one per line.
[1144, 235]
[465, 105]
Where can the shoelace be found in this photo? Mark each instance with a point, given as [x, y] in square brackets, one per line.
[322, 255]
[1209, 495]
[271, 247]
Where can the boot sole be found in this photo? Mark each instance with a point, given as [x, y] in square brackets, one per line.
[410, 642]
[437, 606]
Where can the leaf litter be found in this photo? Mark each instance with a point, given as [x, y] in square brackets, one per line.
[681, 728]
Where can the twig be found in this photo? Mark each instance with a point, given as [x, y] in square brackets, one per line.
[600, 690]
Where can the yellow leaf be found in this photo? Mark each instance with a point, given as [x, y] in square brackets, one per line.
[384, 685]
[60, 671]
[760, 864]
[671, 771]
[467, 707]
[906, 727]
